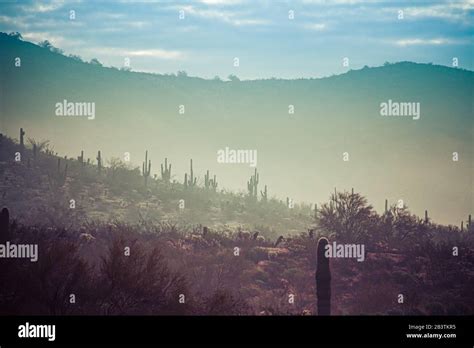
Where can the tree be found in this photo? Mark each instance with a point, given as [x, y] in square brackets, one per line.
[45, 44]
[48, 45]
[348, 216]
[95, 61]
[233, 78]
[38, 146]
[76, 57]
[15, 35]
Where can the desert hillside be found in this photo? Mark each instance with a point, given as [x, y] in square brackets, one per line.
[125, 247]
[300, 128]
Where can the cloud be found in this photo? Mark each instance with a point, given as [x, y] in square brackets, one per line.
[454, 11]
[42, 6]
[341, 2]
[18, 22]
[315, 26]
[137, 24]
[223, 16]
[221, 2]
[7, 20]
[121, 52]
[418, 42]
[155, 53]
[56, 40]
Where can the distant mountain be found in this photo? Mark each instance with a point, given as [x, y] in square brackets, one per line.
[300, 155]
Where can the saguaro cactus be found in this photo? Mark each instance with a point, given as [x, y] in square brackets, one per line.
[214, 183]
[426, 217]
[4, 225]
[252, 184]
[210, 183]
[81, 158]
[264, 194]
[192, 180]
[207, 183]
[60, 178]
[22, 138]
[146, 168]
[166, 171]
[99, 162]
[323, 279]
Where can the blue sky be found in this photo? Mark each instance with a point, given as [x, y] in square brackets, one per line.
[260, 33]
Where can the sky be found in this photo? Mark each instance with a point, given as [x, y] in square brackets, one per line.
[282, 39]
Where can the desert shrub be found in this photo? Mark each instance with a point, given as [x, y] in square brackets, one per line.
[257, 254]
[44, 287]
[348, 216]
[224, 302]
[140, 283]
[121, 177]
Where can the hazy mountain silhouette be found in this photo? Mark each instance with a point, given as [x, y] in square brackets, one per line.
[299, 156]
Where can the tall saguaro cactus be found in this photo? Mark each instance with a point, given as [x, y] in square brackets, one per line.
[252, 184]
[81, 158]
[4, 225]
[166, 171]
[323, 279]
[210, 183]
[99, 162]
[22, 139]
[192, 180]
[214, 183]
[22, 143]
[146, 168]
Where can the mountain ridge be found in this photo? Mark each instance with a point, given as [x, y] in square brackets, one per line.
[299, 154]
[4, 38]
